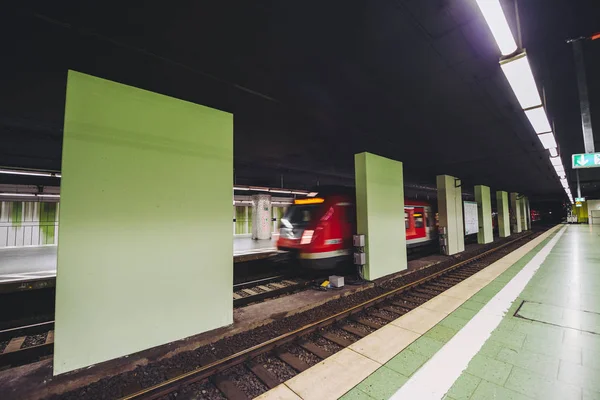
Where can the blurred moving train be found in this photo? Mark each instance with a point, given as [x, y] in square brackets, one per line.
[318, 230]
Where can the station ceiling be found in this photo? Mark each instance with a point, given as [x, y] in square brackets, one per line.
[311, 83]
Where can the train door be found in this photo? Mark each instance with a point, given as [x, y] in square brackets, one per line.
[419, 222]
[348, 223]
[409, 224]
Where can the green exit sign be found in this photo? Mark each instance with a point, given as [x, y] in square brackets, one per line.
[580, 199]
[587, 160]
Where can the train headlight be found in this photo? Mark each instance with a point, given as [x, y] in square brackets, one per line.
[307, 236]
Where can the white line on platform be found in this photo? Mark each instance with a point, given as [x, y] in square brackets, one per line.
[438, 375]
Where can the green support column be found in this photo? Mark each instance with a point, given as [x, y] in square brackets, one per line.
[484, 214]
[515, 213]
[523, 204]
[145, 247]
[380, 213]
[503, 214]
[526, 213]
[450, 209]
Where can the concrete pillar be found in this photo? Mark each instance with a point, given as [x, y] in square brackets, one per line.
[484, 213]
[503, 214]
[450, 209]
[528, 213]
[137, 267]
[523, 203]
[515, 213]
[261, 216]
[380, 213]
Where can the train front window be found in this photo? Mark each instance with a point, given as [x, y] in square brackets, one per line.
[299, 215]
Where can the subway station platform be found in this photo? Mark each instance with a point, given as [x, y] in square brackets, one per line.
[31, 263]
[526, 327]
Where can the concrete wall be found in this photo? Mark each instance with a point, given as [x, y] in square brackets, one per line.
[139, 267]
[503, 213]
[484, 213]
[450, 208]
[380, 213]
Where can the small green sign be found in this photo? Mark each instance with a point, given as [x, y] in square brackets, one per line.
[587, 160]
[580, 199]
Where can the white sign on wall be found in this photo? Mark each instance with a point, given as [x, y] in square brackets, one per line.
[471, 218]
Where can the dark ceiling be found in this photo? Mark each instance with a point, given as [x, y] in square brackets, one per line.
[311, 83]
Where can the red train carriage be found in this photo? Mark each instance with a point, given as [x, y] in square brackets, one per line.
[318, 230]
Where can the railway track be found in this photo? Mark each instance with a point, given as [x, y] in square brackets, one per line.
[29, 343]
[259, 290]
[25, 344]
[250, 372]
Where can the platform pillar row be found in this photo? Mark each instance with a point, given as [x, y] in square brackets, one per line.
[450, 208]
[379, 197]
[515, 213]
[503, 213]
[261, 217]
[484, 214]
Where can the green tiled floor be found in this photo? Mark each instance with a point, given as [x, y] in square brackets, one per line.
[548, 354]
[522, 359]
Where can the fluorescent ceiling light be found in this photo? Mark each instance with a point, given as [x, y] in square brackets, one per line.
[259, 189]
[48, 195]
[29, 173]
[494, 16]
[538, 119]
[518, 73]
[555, 161]
[547, 140]
[18, 194]
[560, 172]
[280, 191]
[240, 188]
[553, 152]
[299, 192]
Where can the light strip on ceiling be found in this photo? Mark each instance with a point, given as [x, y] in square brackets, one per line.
[553, 152]
[547, 140]
[29, 173]
[555, 161]
[518, 73]
[494, 16]
[18, 194]
[538, 119]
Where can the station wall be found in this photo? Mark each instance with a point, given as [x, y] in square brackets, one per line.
[28, 223]
[155, 265]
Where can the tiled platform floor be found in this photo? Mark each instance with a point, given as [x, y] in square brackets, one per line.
[552, 354]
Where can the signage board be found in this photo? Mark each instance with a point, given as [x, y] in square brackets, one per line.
[580, 199]
[471, 218]
[586, 160]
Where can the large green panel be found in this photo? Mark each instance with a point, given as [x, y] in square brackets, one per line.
[380, 213]
[484, 213]
[145, 247]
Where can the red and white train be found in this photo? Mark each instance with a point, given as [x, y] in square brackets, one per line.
[318, 230]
